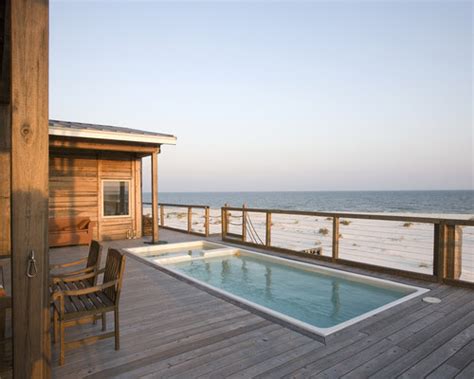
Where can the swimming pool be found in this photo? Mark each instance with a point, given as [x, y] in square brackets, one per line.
[315, 298]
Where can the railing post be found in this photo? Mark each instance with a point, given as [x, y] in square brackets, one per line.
[268, 232]
[244, 223]
[453, 259]
[439, 251]
[162, 215]
[206, 221]
[224, 221]
[335, 238]
[190, 219]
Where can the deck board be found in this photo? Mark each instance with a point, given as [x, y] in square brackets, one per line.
[170, 328]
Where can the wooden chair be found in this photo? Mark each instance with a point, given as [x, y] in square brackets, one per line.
[92, 263]
[81, 305]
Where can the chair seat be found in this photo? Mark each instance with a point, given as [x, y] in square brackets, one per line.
[78, 306]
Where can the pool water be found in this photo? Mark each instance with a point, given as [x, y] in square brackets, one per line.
[316, 298]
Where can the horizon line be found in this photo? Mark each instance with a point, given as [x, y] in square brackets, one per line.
[302, 191]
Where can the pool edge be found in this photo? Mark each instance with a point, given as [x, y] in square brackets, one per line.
[317, 333]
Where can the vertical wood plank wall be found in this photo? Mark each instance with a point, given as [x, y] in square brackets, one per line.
[76, 189]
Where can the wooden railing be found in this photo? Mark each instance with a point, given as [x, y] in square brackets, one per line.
[191, 227]
[446, 242]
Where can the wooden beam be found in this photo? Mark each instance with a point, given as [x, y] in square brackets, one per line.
[29, 187]
[155, 237]
[88, 144]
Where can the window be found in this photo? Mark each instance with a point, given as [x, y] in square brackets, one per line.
[116, 198]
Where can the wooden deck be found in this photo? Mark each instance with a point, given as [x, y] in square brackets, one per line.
[170, 328]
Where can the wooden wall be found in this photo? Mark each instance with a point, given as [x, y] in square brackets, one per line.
[75, 189]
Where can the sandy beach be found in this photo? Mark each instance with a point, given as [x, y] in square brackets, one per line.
[407, 246]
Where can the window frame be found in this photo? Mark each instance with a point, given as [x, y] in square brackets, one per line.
[129, 215]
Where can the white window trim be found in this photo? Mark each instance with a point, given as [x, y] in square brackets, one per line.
[129, 215]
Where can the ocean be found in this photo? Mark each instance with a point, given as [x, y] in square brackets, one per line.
[452, 202]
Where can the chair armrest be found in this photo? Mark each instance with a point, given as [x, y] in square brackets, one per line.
[68, 264]
[84, 291]
[75, 278]
[73, 273]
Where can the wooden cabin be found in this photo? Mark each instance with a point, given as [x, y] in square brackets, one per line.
[95, 171]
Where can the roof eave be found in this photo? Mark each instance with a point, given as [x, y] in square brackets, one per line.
[111, 136]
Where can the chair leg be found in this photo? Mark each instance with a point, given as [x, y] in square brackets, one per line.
[117, 329]
[55, 326]
[104, 322]
[61, 343]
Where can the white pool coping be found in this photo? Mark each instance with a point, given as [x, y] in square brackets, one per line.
[141, 253]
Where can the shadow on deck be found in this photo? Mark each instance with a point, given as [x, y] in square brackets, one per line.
[172, 329]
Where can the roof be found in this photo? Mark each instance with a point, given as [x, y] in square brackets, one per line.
[107, 132]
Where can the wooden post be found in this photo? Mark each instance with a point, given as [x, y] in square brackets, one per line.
[454, 252]
[155, 235]
[244, 223]
[29, 188]
[335, 239]
[268, 227]
[224, 221]
[206, 221]
[162, 215]
[190, 219]
[439, 251]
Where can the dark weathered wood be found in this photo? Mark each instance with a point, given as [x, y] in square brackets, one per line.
[154, 198]
[29, 186]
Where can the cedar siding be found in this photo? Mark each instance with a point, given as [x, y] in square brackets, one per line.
[75, 183]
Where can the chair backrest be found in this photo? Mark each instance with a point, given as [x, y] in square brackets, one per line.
[93, 259]
[114, 268]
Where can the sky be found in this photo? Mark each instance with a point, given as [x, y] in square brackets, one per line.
[267, 96]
